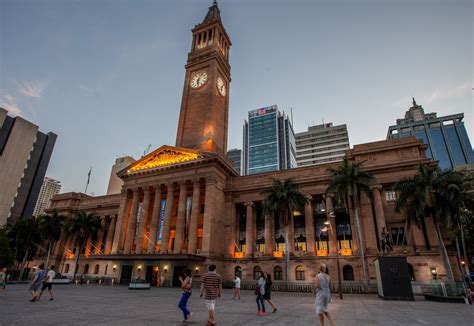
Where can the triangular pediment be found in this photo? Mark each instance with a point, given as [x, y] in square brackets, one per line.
[165, 155]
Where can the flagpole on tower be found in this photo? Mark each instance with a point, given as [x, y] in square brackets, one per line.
[88, 179]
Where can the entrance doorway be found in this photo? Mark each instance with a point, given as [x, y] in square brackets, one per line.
[126, 275]
[177, 272]
[149, 274]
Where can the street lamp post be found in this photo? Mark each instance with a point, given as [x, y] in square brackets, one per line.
[339, 280]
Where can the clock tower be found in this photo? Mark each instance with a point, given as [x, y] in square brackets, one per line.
[203, 118]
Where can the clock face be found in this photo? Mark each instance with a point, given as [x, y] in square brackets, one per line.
[221, 86]
[198, 79]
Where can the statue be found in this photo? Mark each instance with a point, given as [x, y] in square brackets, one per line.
[385, 242]
[414, 102]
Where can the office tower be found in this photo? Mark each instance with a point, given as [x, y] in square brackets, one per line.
[49, 188]
[322, 143]
[269, 141]
[115, 183]
[24, 159]
[235, 157]
[446, 136]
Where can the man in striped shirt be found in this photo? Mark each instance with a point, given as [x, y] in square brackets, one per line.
[212, 285]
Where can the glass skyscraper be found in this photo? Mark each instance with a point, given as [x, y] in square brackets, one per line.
[446, 136]
[269, 141]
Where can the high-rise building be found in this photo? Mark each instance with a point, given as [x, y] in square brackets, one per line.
[269, 141]
[446, 136]
[235, 157]
[322, 143]
[49, 188]
[24, 158]
[115, 183]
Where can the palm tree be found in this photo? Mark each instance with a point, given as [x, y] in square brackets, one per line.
[82, 226]
[347, 182]
[24, 237]
[50, 228]
[454, 202]
[280, 201]
[417, 198]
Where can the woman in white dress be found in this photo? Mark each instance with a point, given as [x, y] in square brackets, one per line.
[322, 283]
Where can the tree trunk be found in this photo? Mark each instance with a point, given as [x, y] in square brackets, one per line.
[287, 259]
[361, 247]
[444, 254]
[465, 256]
[22, 267]
[425, 234]
[49, 253]
[458, 250]
[76, 261]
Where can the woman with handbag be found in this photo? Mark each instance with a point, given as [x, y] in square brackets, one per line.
[260, 292]
[186, 285]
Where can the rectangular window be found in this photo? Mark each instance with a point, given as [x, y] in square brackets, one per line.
[398, 236]
[390, 195]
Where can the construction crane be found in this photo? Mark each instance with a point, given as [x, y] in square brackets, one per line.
[147, 150]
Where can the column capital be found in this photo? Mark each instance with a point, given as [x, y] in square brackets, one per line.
[170, 186]
[158, 188]
[373, 187]
[135, 191]
[309, 197]
[249, 203]
[182, 183]
[329, 195]
[196, 182]
[146, 189]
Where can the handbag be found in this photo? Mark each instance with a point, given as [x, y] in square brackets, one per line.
[257, 289]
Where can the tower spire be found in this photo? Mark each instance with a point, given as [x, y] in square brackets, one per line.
[213, 13]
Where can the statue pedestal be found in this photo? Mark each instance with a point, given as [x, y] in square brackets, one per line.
[393, 278]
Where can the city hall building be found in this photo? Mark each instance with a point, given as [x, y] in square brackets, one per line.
[184, 206]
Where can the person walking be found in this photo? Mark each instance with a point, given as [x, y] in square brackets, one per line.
[322, 283]
[48, 283]
[37, 282]
[268, 292]
[260, 292]
[211, 284]
[186, 285]
[236, 287]
[3, 278]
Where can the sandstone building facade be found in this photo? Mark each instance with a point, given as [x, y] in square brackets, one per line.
[186, 207]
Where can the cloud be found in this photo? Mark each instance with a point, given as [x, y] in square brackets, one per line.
[31, 89]
[8, 102]
[89, 90]
[447, 93]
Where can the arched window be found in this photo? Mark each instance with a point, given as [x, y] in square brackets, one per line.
[300, 273]
[411, 271]
[256, 272]
[348, 273]
[238, 271]
[66, 268]
[96, 269]
[86, 269]
[278, 273]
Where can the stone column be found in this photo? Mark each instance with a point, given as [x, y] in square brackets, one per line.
[309, 225]
[331, 216]
[143, 221]
[249, 230]
[209, 214]
[378, 207]
[269, 235]
[167, 219]
[120, 224]
[180, 218]
[155, 220]
[367, 221]
[59, 244]
[193, 223]
[100, 237]
[110, 234]
[354, 230]
[132, 221]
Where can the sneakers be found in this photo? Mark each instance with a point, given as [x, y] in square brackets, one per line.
[274, 310]
[190, 316]
[262, 313]
[259, 312]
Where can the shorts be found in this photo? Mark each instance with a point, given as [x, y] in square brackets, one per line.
[35, 287]
[46, 285]
[210, 304]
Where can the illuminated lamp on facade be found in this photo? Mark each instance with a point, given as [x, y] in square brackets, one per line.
[238, 254]
[278, 254]
[296, 213]
[322, 252]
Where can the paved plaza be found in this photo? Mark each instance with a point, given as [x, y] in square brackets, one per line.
[106, 305]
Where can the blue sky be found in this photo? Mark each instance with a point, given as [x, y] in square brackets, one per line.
[107, 75]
